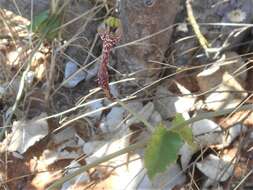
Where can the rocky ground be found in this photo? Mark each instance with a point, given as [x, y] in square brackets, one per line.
[62, 119]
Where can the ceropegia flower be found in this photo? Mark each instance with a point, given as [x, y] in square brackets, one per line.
[110, 33]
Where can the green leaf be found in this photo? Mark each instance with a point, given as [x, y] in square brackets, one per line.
[45, 25]
[49, 27]
[112, 22]
[162, 150]
[184, 131]
[178, 119]
[38, 20]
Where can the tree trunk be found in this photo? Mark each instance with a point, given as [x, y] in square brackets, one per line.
[142, 19]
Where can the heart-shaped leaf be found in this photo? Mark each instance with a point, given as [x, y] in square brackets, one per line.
[162, 150]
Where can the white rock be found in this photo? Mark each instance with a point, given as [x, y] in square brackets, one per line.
[204, 126]
[219, 81]
[155, 118]
[208, 139]
[107, 148]
[186, 153]
[93, 107]
[114, 90]
[186, 115]
[26, 133]
[72, 75]
[233, 132]
[135, 106]
[92, 146]
[236, 66]
[211, 185]
[80, 179]
[92, 71]
[145, 112]
[215, 168]
[206, 132]
[216, 101]
[64, 135]
[168, 105]
[166, 181]
[112, 119]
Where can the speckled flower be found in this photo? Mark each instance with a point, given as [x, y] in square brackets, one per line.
[110, 33]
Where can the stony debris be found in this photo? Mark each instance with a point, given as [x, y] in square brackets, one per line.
[146, 49]
[220, 85]
[168, 104]
[233, 132]
[102, 148]
[155, 118]
[94, 106]
[63, 145]
[167, 180]
[205, 126]
[72, 75]
[25, 134]
[91, 146]
[77, 181]
[208, 133]
[216, 168]
[64, 135]
[205, 132]
[135, 106]
[145, 112]
[112, 120]
[186, 152]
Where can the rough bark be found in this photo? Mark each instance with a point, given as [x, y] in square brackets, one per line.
[142, 18]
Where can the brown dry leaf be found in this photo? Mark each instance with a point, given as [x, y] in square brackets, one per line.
[39, 62]
[42, 180]
[16, 168]
[246, 117]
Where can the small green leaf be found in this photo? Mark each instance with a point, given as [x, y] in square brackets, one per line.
[45, 25]
[162, 150]
[178, 119]
[184, 131]
[49, 27]
[112, 22]
[38, 20]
